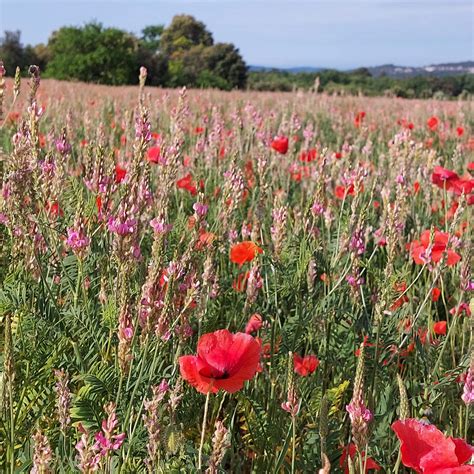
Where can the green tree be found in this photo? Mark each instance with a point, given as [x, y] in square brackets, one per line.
[225, 61]
[93, 54]
[182, 34]
[151, 36]
[150, 56]
[14, 54]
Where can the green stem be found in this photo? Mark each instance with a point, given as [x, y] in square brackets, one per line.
[293, 449]
[203, 430]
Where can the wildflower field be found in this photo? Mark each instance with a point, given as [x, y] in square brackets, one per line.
[204, 281]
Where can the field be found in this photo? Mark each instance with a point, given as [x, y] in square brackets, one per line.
[234, 281]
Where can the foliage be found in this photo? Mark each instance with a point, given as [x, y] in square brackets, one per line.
[92, 54]
[361, 82]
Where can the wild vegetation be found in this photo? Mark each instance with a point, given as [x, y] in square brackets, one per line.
[233, 281]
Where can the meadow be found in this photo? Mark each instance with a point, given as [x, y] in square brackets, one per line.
[245, 282]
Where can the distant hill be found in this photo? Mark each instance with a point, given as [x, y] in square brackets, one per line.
[292, 70]
[447, 69]
[390, 70]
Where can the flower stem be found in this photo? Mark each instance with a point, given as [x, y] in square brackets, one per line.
[203, 430]
[293, 449]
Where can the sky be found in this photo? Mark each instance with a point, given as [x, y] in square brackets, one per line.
[281, 33]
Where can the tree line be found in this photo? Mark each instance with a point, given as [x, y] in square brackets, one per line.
[184, 54]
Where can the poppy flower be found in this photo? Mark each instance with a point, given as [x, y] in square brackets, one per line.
[280, 144]
[435, 294]
[441, 176]
[432, 123]
[359, 118]
[402, 299]
[439, 328]
[54, 209]
[188, 184]
[419, 249]
[305, 365]
[309, 155]
[460, 131]
[120, 173]
[341, 191]
[224, 361]
[426, 449]
[244, 252]
[153, 154]
[449, 180]
[254, 324]
[351, 451]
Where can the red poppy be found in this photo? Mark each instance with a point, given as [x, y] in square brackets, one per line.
[460, 131]
[54, 209]
[120, 173]
[244, 252]
[280, 144]
[442, 176]
[309, 155]
[401, 300]
[435, 294]
[432, 123]
[426, 449]
[224, 361]
[188, 184]
[153, 154]
[416, 187]
[305, 365]
[123, 140]
[449, 180]
[351, 451]
[470, 166]
[98, 202]
[254, 324]
[439, 328]
[240, 283]
[338, 155]
[359, 118]
[342, 191]
[438, 249]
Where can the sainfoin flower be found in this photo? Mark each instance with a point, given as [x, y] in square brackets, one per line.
[224, 361]
[305, 365]
[77, 240]
[244, 252]
[427, 450]
[106, 440]
[423, 250]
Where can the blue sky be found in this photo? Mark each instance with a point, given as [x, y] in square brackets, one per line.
[281, 33]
